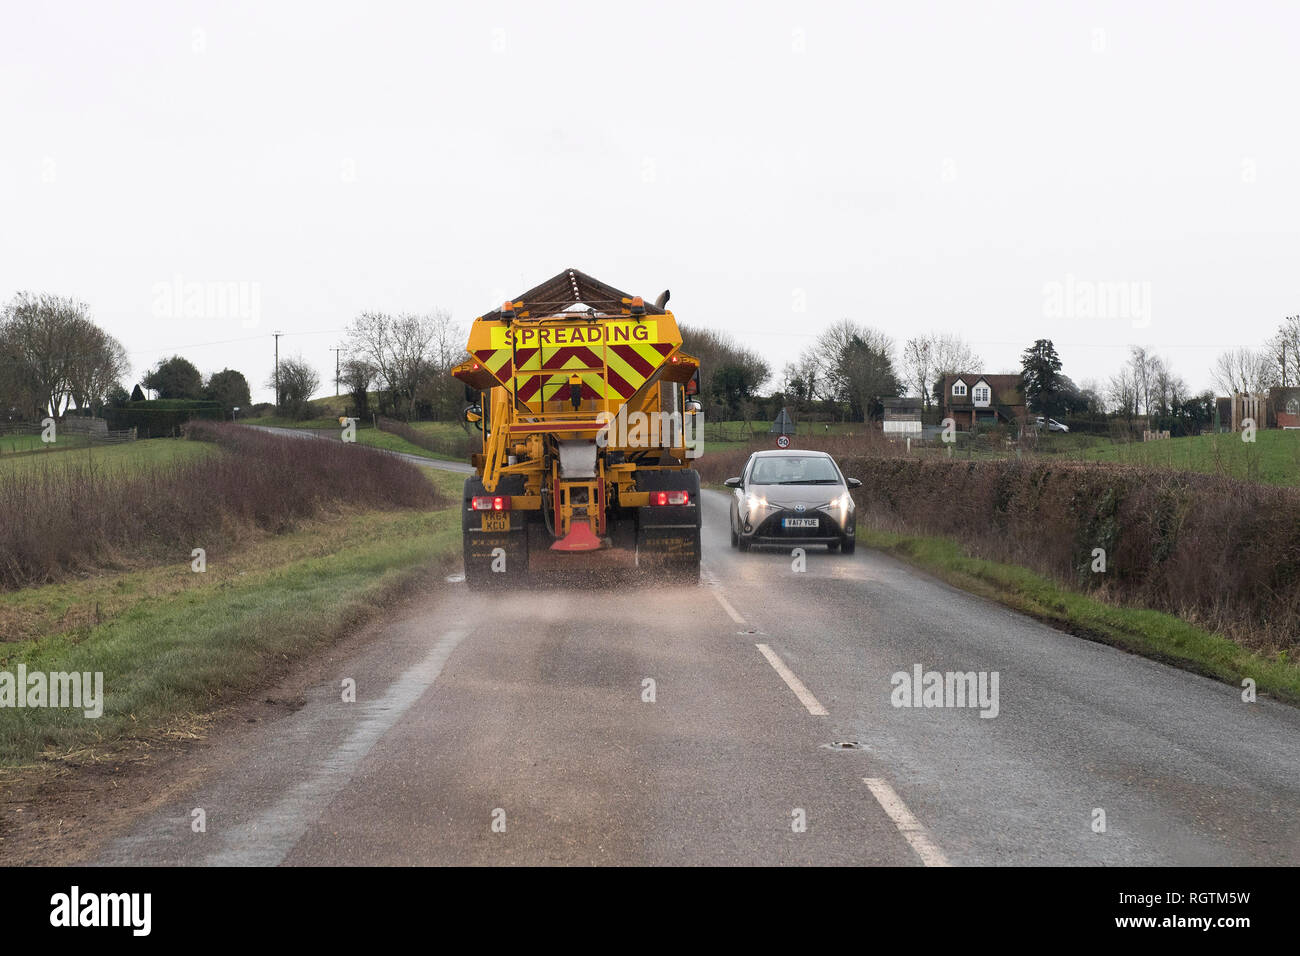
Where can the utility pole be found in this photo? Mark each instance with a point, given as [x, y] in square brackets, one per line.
[277, 370]
[336, 370]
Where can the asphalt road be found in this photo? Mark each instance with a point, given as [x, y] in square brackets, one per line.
[516, 728]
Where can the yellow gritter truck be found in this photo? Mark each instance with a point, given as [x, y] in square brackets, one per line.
[584, 398]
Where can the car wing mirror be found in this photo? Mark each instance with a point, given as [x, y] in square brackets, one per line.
[854, 483]
[732, 482]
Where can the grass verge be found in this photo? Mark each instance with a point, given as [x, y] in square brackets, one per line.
[366, 435]
[173, 644]
[1152, 634]
[126, 457]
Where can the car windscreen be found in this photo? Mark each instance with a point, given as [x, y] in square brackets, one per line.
[794, 470]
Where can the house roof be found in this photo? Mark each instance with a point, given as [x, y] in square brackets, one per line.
[1006, 389]
[569, 288]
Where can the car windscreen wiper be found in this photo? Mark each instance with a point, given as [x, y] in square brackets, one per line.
[812, 481]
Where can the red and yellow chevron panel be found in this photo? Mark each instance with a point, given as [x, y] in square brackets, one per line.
[613, 358]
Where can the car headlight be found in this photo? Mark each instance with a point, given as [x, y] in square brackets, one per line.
[840, 507]
[755, 504]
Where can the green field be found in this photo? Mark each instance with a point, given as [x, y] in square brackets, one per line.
[173, 645]
[1273, 458]
[28, 444]
[128, 456]
[446, 430]
[390, 442]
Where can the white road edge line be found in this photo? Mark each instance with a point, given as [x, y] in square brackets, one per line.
[795, 684]
[726, 606]
[267, 837]
[908, 825]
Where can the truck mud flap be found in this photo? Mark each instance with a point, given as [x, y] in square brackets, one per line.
[668, 536]
[669, 548]
[493, 557]
[496, 554]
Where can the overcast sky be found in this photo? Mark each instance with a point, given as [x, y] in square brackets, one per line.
[977, 168]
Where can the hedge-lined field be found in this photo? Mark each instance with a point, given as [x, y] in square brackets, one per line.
[74, 515]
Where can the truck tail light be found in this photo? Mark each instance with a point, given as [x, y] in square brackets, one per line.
[490, 503]
[670, 497]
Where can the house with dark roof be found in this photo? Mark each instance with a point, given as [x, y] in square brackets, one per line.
[975, 400]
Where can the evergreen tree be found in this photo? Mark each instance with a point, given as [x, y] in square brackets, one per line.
[1045, 386]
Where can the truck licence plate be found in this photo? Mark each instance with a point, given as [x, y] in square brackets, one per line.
[799, 522]
[496, 521]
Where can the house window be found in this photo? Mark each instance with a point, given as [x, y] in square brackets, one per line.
[981, 393]
[959, 389]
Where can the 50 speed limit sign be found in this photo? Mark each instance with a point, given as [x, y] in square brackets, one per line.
[783, 441]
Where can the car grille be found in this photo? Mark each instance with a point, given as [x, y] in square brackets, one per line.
[772, 526]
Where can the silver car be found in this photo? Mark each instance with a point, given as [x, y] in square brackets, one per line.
[791, 497]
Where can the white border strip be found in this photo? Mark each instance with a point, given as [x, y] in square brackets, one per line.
[726, 606]
[795, 684]
[908, 825]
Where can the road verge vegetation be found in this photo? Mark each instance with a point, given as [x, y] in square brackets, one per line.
[73, 516]
[1198, 570]
[298, 567]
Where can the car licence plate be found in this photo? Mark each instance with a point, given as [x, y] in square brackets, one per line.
[496, 521]
[799, 522]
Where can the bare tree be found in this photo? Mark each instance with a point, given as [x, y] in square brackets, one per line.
[407, 351]
[855, 366]
[1284, 351]
[729, 373]
[41, 332]
[1122, 390]
[96, 364]
[1244, 370]
[799, 379]
[19, 397]
[928, 358]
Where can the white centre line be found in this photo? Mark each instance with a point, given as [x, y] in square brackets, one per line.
[908, 825]
[726, 606]
[795, 684]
